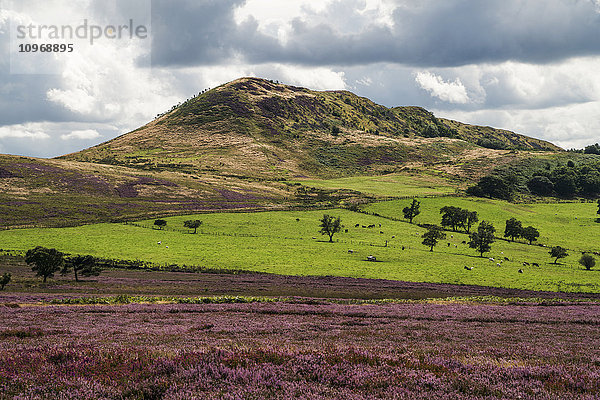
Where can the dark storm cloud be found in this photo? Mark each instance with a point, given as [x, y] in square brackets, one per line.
[430, 34]
[188, 32]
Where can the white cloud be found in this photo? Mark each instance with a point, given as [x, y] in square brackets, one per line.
[451, 92]
[86, 134]
[26, 131]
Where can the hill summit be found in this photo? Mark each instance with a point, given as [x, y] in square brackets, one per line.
[257, 128]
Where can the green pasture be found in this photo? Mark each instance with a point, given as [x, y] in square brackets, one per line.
[288, 243]
[570, 224]
[393, 185]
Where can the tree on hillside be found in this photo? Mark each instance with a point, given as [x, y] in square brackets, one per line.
[5, 279]
[588, 261]
[513, 229]
[161, 223]
[483, 238]
[431, 237]
[470, 219]
[530, 234]
[452, 217]
[557, 252]
[330, 226]
[195, 224]
[81, 265]
[45, 261]
[412, 211]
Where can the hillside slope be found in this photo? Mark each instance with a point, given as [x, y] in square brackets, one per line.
[256, 128]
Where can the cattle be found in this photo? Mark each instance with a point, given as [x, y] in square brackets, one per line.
[448, 244]
[381, 232]
[350, 251]
[464, 242]
[346, 231]
[525, 263]
[371, 226]
[520, 271]
[468, 268]
[402, 247]
[394, 237]
[357, 225]
[506, 259]
[535, 264]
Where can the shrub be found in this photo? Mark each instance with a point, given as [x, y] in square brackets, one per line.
[587, 261]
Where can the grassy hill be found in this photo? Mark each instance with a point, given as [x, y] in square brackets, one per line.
[256, 128]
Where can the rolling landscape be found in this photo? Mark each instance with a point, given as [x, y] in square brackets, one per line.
[261, 240]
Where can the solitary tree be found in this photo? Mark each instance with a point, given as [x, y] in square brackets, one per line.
[411, 212]
[588, 261]
[195, 224]
[514, 229]
[4, 280]
[530, 234]
[330, 226]
[45, 261]
[161, 223]
[557, 252]
[483, 238]
[83, 265]
[431, 237]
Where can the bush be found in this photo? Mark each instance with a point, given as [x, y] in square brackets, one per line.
[4, 280]
[587, 261]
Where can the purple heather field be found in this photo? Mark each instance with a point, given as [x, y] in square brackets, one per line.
[295, 349]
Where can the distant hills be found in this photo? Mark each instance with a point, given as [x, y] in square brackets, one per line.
[245, 145]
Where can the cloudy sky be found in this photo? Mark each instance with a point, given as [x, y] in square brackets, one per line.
[528, 66]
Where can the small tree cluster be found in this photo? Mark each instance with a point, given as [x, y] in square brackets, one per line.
[5, 279]
[412, 211]
[483, 238]
[456, 218]
[514, 230]
[432, 236]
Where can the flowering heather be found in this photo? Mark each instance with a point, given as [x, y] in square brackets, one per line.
[310, 351]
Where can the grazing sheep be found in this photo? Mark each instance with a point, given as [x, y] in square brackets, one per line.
[371, 258]
[452, 236]
[350, 251]
[297, 219]
[167, 247]
[498, 265]
[491, 259]
[363, 226]
[314, 237]
[468, 268]
[535, 264]
[160, 242]
[520, 271]
[525, 264]
[380, 225]
[448, 244]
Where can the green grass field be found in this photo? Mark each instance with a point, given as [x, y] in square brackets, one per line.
[276, 242]
[393, 185]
